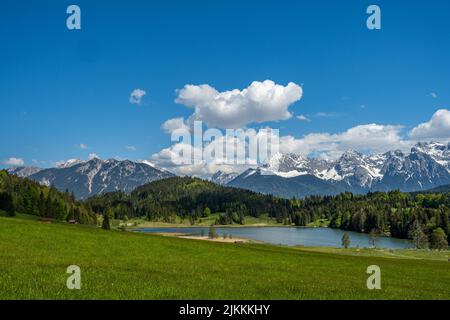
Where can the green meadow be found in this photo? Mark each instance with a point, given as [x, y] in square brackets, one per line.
[126, 265]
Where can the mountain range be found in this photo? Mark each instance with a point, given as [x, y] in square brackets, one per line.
[427, 166]
[95, 176]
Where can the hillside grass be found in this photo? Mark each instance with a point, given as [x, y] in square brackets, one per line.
[126, 265]
[422, 254]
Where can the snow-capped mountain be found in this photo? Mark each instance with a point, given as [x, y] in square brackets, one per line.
[69, 163]
[426, 166]
[260, 180]
[438, 151]
[95, 176]
[223, 178]
[23, 172]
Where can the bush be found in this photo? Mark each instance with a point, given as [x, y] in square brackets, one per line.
[438, 239]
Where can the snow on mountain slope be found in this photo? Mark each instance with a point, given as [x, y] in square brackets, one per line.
[89, 178]
[23, 172]
[426, 166]
[223, 178]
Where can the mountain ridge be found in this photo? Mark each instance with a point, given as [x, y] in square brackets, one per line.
[95, 176]
[427, 166]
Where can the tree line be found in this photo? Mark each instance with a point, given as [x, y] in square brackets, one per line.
[422, 217]
[19, 195]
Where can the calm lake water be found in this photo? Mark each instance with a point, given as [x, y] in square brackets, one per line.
[292, 236]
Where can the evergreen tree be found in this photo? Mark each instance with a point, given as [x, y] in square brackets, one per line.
[7, 204]
[345, 240]
[206, 212]
[106, 224]
[26, 196]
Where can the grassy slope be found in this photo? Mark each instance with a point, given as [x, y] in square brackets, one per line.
[34, 257]
[386, 253]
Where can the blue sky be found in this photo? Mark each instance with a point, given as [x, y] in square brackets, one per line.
[60, 89]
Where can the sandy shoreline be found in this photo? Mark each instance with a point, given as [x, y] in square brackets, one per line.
[206, 238]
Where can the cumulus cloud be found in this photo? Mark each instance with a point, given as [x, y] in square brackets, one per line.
[228, 153]
[16, 162]
[438, 128]
[369, 138]
[175, 124]
[260, 102]
[136, 96]
[366, 138]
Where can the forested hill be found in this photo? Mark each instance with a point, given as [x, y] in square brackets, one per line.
[402, 215]
[190, 198]
[444, 188]
[21, 195]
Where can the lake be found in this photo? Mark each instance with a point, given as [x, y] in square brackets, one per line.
[292, 236]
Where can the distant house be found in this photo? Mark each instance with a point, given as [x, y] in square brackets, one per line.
[73, 221]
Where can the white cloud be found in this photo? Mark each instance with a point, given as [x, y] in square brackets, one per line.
[303, 118]
[325, 115]
[366, 138]
[369, 138]
[174, 124]
[437, 128]
[16, 162]
[93, 156]
[136, 96]
[83, 146]
[207, 161]
[434, 95]
[131, 148]
[260, 102]
[199, 167]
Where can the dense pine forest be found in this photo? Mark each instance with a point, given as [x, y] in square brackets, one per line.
[191, 199]
[423, 217]
[18, 195]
